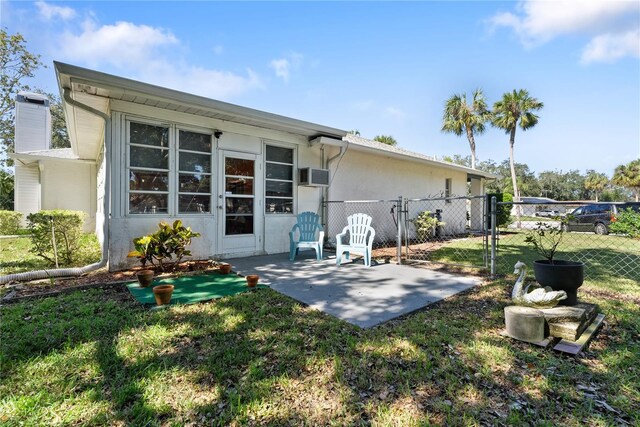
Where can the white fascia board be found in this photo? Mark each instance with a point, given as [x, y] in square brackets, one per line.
[30, 158]
[67, 73]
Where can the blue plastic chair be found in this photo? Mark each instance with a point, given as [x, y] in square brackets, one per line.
[307, 233]
[361, 236]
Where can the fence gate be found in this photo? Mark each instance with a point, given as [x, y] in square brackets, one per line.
[446, 230]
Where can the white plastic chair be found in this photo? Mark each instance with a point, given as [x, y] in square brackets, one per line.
[307, 226]
[361, 236]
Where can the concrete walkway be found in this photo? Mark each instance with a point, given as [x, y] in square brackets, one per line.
[363, 296]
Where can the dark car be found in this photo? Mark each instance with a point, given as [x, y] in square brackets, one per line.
[597, 217]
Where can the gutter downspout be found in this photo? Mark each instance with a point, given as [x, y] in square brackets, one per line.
[78, 271]
[325, 191]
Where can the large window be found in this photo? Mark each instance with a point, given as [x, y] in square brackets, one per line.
[158, 184]
[148, 168]
[278, 180]
[194, 172]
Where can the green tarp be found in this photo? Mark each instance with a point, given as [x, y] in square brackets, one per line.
[192, 289]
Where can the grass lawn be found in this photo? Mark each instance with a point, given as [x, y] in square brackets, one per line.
[16, 258]
[97, 358]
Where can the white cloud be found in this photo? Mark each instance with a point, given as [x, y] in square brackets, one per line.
[610, 47]
[284, 66]
[49, 12]
[537, 22]
[152, 55]
[281, 68]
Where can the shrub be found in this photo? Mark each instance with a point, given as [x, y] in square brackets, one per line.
[168, 242]
[503, 215]
[426, 224]
[626, 222]
[9, 222]
[68, 231]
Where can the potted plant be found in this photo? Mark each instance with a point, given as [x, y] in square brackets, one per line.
[559, 275]
[224, 268]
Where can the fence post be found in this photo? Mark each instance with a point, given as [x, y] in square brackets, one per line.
[399, 234]
[494, 225]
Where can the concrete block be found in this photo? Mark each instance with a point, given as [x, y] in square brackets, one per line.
[524, 323]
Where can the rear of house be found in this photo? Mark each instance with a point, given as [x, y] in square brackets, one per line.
[229, 172]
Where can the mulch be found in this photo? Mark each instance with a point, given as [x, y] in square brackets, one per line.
[116, 280]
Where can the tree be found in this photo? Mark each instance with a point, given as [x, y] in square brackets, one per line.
[355, 132]
[561, 185]
[59, 133]
[16, 64]
[6, 190]
[459, 160]
[596, 182]
[525, 178]
[386, 139]
[514, 110]
[628, 176]
[459, 117]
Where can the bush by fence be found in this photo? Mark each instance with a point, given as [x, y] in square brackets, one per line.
[68, 231]
[9, 222]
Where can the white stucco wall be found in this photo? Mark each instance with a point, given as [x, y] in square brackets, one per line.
[365, 176]
[72, 186]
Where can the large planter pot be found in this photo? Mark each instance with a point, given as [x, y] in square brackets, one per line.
[561, 276]
[224, 268]
[163, 293]
[145, 278]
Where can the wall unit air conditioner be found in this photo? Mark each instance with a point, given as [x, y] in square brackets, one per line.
[313, 177]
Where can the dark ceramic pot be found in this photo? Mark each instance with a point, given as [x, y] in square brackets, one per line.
[561, 276]
[145, 278]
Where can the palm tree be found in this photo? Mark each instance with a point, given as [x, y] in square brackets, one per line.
[628, 176]
[459, 117]
[596, 181]
[386, 139]
[513, 110]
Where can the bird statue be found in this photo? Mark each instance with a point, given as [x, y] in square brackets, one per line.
[538, 298]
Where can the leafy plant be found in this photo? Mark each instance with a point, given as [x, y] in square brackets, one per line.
[426, 224]
[67, 226]
[546, 237]
[169, 242]
[9, 222]
[626, 222]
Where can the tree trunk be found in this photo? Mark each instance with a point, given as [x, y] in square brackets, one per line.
[472, 145]
[514, 182]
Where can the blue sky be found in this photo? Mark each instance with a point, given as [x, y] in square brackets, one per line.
[379, 67]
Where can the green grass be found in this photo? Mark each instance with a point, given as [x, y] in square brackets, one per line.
[15, 256]
[97, 358]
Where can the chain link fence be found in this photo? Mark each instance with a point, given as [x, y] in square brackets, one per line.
[443, 230]
[457, 231]
[586, 238]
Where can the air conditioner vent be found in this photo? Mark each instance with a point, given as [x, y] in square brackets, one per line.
[313, 177]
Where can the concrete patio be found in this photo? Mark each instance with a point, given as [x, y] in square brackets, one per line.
[363, 296]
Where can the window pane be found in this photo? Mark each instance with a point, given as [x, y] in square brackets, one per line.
[191, 203]
[141, 133]
[237, 205]
[195, 162]
[277, 171]
[149, 158]
[238, 186]
[279, 188]
[239, 167]
[190, 183]
[195, 141]
[145, 180]
[147, 203]
[239, 225]
[279, 154]
[279, 205]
